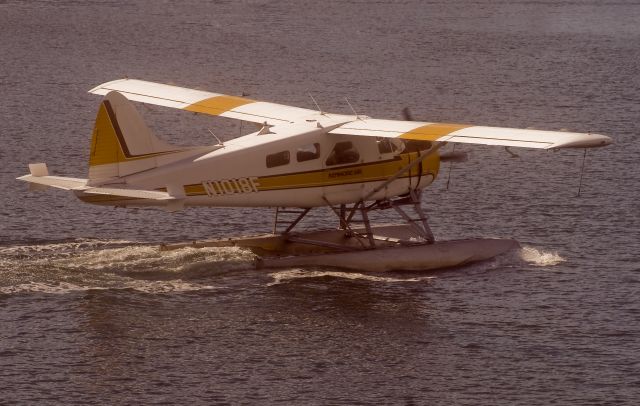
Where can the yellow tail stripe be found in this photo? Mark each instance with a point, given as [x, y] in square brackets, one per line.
[108, 145]
[105, 148]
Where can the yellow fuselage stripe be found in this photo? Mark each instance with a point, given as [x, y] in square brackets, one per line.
[369, 172]
[344, 175]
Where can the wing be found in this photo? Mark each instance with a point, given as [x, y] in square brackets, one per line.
[509, 137]
[273, 114]
[205, 102]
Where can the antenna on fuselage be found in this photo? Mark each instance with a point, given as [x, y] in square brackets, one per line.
[266, 129]
[243, 95]
[216, 137]
[352, 109]
[316, 103]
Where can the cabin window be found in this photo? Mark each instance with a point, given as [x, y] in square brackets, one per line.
[385, 146]
[308, 152]
[277, 159]
[343, 153]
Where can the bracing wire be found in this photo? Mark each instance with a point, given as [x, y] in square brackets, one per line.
[584, 158]
[450, 167]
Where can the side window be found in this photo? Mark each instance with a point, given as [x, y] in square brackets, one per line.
[343, 153]
[277, 159]
[385, 146]
[308, 152]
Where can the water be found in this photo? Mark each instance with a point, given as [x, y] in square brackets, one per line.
[91, 312]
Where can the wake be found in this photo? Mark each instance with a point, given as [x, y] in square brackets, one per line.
[90, 264]
[82, 265]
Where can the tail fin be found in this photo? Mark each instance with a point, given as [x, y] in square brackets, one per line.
[121, 143]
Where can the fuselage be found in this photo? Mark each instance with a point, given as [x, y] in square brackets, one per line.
[295, 167]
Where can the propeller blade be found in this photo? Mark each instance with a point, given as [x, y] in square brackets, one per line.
[459, 156]
[406, 114]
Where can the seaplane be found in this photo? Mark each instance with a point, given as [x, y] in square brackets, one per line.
[297, 159]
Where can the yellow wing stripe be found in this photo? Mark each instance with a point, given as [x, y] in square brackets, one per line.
[218, 105]
[432, 132]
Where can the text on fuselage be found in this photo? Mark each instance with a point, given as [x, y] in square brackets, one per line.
[231, 186]
[348, 172]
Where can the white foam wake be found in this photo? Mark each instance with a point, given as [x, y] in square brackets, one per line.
[292, 274]
[119, 256]
[156, 287]
[82, 265]
[141, 258]
[538, 257]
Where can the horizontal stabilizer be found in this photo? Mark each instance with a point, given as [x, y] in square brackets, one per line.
[56, 181]
[38, 176]
[133, 193]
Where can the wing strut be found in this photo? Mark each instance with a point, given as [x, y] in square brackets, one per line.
[419, 224]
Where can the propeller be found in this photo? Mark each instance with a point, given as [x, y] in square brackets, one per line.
[454, 156]
[406, 114]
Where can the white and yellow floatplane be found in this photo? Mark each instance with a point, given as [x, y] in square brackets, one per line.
[297, 160]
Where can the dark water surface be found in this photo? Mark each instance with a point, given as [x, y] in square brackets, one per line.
[92, 312]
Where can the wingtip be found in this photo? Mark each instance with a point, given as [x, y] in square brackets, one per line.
[586, 141]
[104, 88]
